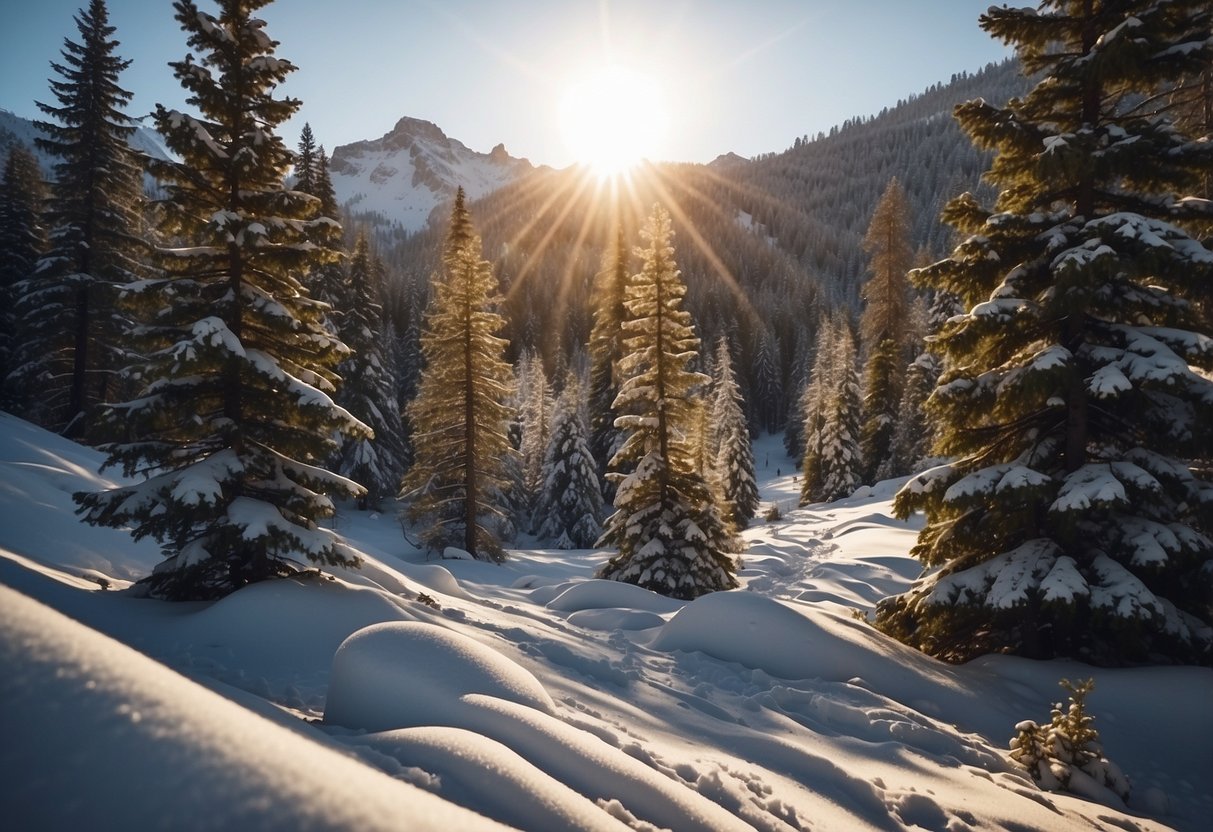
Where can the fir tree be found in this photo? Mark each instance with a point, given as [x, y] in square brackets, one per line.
[1076, 386]
[606, 349]
[669, 533]
[813, 402]
[457, 484]
[569, 510]
[734, 462]
[913, 434]
[368, 388]
[234, 416]
[305, 161]
[22, 243]
[884, 327]
[536, 403]
[838, 447]
[75, 337]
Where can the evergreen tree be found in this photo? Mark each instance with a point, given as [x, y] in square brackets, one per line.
[884, 326]
[913, 435]
[234, 416]
[669, 533]
[1075, 389]
[767, 392]
[734, 463]
[305, 161]
[606, 349]
[536, 412]
[368, 388]
[569, 509]
[838, 448]
[75, 337]
[813, 409]
[22, 243]
[457, 484]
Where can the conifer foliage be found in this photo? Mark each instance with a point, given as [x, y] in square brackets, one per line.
[669, 533]
[884, 325]
[456, 488]
[368, 386]
[22, 242]
[569, 509]
[1076, 386]
[74, 336]
[831, 462]
[606, 348]
[234, 416]
[734, 458]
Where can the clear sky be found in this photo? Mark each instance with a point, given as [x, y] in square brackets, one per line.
[746, 76]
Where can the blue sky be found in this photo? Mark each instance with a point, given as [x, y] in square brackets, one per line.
[735, 76]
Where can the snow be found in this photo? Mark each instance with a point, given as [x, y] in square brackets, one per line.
[533, 695]
[408, 674]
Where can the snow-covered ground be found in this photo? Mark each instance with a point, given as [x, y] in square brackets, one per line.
[531, 694]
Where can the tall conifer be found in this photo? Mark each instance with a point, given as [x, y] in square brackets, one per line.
[22, 243]
[1076, 387]
[734, 458]
[456, 487]
[234, 416]
[669, 532]
[75, 336]
[606, 348]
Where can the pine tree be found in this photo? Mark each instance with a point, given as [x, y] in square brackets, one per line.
[813, 402]
[75, 336]
[536, 413]
[734, 462]
[883, 388]
[305, 161]
[22, 243]
[839, 458]
[913, 435]
[606, 349]
[234, 416]
[569, 510]
[368, 388]
[457, 484]
[767, 407]
[1076, 386]
[669, 533]
[884, 324]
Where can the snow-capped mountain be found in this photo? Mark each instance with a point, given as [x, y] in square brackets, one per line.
[413, 169]
[15, 129]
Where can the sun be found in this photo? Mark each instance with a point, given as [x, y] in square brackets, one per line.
[612, 119]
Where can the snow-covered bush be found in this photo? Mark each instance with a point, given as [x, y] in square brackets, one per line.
[1066, 754]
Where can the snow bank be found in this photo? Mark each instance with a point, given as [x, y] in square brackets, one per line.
[800, 642]
[98, 736]
[402, 675]
[600, 595]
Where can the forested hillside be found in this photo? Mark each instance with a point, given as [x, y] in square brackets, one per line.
[765, 245]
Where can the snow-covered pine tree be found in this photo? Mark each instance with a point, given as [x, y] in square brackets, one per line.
[669, 532]
[883, 326]
[74, 339]
[1076, 387]
[913, 434]
[536, 412]
[461, 411]
[734, 463]
[569, 510]
[22, 243]
[368, 388]
[606, 348]
[234, 415]
[839, 459]
[767, 388]
[326, 280]
[814, 401]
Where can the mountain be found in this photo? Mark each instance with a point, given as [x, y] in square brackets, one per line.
[403, 176]
[15, 129]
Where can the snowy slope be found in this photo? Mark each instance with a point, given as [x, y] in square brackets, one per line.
[530, 693]
[413, 169]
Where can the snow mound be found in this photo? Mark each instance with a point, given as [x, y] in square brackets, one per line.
[611, 619]
[103, 737]
[404, 675]
[801, 642]
[600, 595]
[486, 776]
